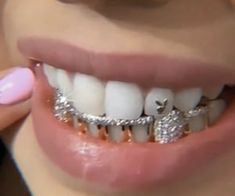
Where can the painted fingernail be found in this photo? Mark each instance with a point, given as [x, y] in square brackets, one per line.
[16, 86]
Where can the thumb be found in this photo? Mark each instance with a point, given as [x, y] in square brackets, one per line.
[15, 91]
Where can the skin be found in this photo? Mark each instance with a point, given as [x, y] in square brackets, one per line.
[201, 29]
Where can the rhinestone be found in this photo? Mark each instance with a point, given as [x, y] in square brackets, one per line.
[170, 127]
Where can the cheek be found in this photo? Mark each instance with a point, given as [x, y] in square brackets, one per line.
[27, 18]
[3, 55]
[12, 29]
[31, 17]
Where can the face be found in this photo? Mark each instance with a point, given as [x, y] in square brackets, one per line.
[107, 57]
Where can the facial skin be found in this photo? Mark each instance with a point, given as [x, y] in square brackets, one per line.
[199, 29]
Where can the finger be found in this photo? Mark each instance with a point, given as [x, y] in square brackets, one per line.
[11, 114]
[15, 90]
[16, 86]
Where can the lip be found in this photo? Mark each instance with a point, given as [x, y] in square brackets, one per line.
[144, 69]
[125, 166]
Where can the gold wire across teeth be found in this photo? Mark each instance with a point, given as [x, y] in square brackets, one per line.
[166, 129]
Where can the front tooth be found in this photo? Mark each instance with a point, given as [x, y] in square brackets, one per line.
[213, 93]
[123, 100]
[187, 99]
[115, 133]
[88, 94]
[64, 82]
[197, 123]
[160, 95]
[216, 108]
[140, 133]
[51, 74]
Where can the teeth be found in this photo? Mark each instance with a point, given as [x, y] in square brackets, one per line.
[64, 81]
[123, 100]
[188, 99]
[213, 93]
[75, 122]
[197, 123]
[50, 73]
[159, 94]
[140, 133]
[93, 129]
[88, 94]
[216, 108]
[116, 133]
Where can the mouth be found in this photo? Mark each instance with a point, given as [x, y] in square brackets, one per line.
[128, 127]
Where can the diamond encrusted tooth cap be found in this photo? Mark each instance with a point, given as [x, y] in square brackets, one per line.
[170, 127]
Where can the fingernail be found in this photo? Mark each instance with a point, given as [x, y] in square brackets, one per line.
[16, 86]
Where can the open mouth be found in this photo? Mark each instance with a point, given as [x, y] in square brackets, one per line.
[123, 135]
[123, 112]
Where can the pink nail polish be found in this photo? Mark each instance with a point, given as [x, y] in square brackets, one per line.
[16, 86]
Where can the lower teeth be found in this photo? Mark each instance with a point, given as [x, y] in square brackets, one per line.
[166, 129]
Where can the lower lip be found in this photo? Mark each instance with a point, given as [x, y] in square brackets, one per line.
[126, 166]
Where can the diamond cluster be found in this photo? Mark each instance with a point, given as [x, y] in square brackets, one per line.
[170, 127]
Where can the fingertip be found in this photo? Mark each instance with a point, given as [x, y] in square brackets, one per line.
[16, 86]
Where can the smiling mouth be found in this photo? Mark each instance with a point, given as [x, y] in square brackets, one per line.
[88, 121]
[123, 112]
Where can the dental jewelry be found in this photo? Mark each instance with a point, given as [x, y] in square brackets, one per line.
[64, 109]
[161, 106]
[166, 129]
[170, 127]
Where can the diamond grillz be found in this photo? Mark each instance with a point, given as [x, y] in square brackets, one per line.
[166, 129]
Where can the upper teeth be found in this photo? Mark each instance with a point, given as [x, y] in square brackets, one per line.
[88, 94]
[159, 102]
[213, 93]
[215, 109]
[121, 100]
[187, 99]
[64, 82]
[51, 75]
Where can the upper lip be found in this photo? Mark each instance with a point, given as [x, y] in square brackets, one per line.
[144, 69]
